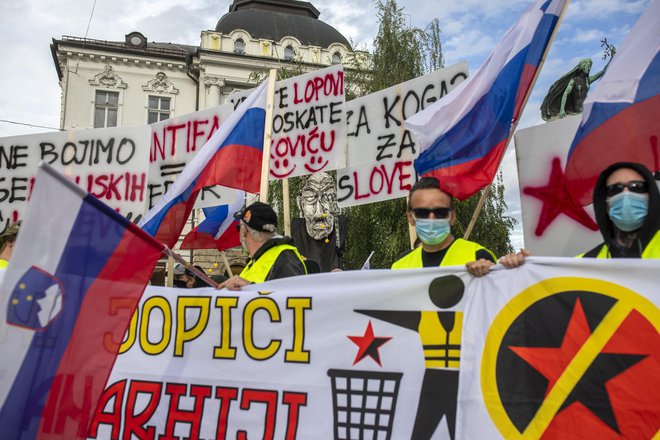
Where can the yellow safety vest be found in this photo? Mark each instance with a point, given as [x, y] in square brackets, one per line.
[4, 264]
[256, 271]
[459, 253]
[652, 249]
[442, 348]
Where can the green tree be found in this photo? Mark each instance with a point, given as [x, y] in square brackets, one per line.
[401, 53]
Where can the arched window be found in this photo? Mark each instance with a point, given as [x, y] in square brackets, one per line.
[336, 58]
[239, 46]
[289, 53]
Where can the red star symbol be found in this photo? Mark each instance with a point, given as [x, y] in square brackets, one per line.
[591, 389]
[557, 200]
[368, 344]
[551, 362]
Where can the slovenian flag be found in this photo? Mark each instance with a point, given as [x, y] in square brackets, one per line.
[464, 135]
[67, 298]
[620, 116]
[231, 157]
[218, 229]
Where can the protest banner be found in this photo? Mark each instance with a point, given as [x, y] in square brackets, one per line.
[110, 163]
[553, 224]
[309, 123]
[381, 354]
[380, 151]
[174, 142]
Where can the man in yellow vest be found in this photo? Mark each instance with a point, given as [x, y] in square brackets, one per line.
[627, 207]
[431, 211]
[7, 241]
[271, 257]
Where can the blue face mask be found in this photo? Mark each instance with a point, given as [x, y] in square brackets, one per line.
[432, 231]
[628, 210]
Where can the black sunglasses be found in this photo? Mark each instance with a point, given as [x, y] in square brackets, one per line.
[636, 186]
[426, 212]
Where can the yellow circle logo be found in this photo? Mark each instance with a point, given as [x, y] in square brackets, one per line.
[574, 358]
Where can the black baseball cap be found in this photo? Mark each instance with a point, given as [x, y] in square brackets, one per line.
[258, 216]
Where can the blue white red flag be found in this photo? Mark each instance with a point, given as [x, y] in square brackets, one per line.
[231, 157]
[620, 116]
[218, 229]
[464, 135]
[67, 297]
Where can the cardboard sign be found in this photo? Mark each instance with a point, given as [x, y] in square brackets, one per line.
[541, 153]
[380, 151]
[309, 123]
[110, 163]
[174, 142]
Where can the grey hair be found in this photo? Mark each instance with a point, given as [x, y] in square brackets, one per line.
[260, 236]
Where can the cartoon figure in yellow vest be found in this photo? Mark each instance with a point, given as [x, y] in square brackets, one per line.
[440, 335]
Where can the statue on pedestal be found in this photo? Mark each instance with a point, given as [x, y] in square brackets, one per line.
[566, 96]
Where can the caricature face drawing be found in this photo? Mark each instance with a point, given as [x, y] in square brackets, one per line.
[318, 205]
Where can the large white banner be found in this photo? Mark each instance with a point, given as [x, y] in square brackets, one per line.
[387, 354]
[380, 151]
[110, 163]
[174, 142]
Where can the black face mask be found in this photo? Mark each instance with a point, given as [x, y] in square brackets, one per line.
[180, 284]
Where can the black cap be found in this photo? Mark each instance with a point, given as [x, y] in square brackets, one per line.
[258, 216]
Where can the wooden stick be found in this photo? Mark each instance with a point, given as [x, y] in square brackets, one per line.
[268, 134]
[200, 274]
[169, 281]
[286, 207]
[514, 125]
[226, 263]
[477, 211]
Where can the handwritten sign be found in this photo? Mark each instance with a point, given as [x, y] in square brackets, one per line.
[174, 142]
[309, 124]
[110, 163]
[380, 151]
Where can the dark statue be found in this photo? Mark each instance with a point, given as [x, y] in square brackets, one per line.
[566, 96]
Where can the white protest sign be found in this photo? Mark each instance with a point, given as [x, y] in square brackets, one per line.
[553, 224]
[380, 151]
[309, 123]
[110, 163]
[174, 143]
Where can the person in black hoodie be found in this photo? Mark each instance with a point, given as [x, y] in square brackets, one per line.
[627, 207]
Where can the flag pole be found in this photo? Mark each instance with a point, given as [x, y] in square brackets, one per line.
[268, 133]
[286, 207]
[176, 257]
[226, 263]
[514, 125]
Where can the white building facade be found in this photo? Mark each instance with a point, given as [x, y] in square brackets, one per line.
[136, 82]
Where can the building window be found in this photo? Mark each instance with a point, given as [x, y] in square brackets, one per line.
[106, 105]
[239, 46]
[159, 109]
[289, 53]
[336, 58]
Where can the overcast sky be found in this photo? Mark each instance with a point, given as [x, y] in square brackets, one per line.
[29, 90]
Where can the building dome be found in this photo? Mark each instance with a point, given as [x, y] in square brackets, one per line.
[273, 20]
